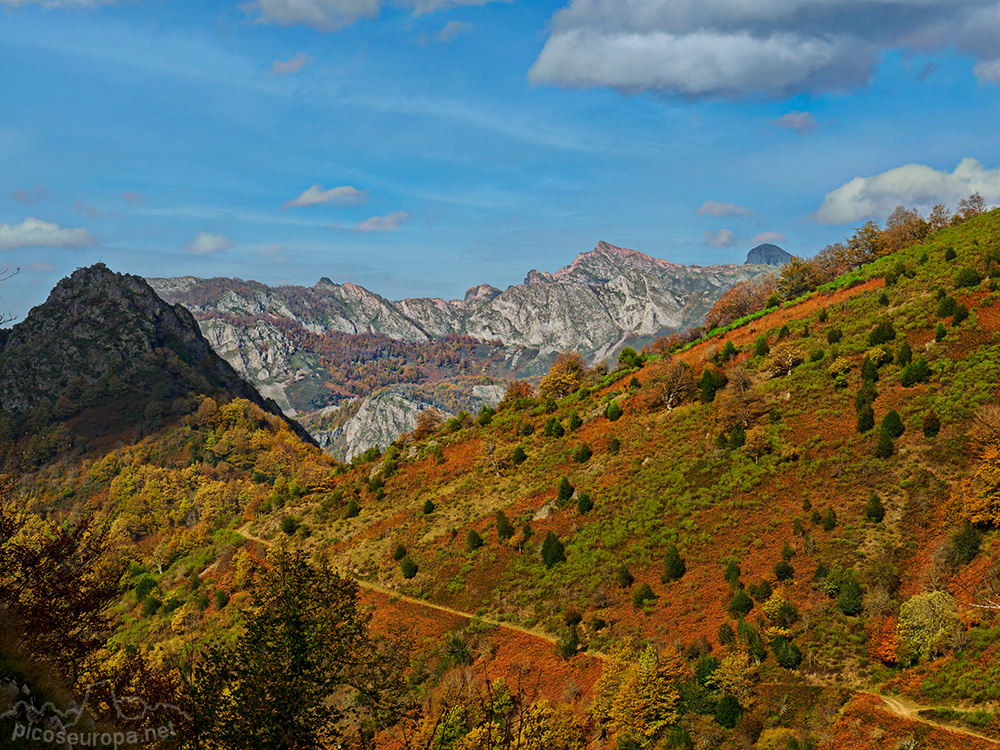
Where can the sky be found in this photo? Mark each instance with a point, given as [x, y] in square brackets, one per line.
[421, 147]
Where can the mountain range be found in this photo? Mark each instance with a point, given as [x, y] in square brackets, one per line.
[605, 299]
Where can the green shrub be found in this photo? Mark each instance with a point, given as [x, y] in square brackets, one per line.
[784, 571]
[732, 574]
[940, 332]
[553, 551]
[614, 446]
[883, 299]
[150, 606]
[966, 277]
[399, 553]
[625, 578]
[740, 605]
[834, 335]
[905, 355]
[574, 421]
[569, 643]
[949, 254]
[711, 381]
[965, 545]
[408, 567]
[674, 566]
[823, 315]
[931, 425]
[428, 506]
[519, 456]
[289, 525]
[787, 654]
[504, 529]
[849, 597]
[883, 333]
[728, 712]
[892, 424]
[553, 428]
[642, 595]
[727, 636]
[817, 355]
[485, 416]
[584, 504]
[221, 598]
[874, 510]
[583, 454]
[353, 509]
[945, 307]
[783, 333]
[473, 541]
[737, 438]
[761, 349]
[917, 371]
[613, 411]
[884, 447]
[961, 315]
[146, 584]
[629, 359]
[565, 491]
[829, 519]
[869, 371]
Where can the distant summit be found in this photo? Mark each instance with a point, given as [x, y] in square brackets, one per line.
[767, 255]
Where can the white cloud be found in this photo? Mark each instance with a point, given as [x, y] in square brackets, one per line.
[92, 211]
[294, 65]
[719, 238]
[715, 208]
[388, 223]
[133, 198]
[913, 185]
[324, 15]
[37, 233]
[988, 70]
[344, 195]
[768, 237]
[738, 48]
[803, 122]
[206, 244]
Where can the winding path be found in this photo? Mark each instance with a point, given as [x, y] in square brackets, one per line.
[912, 711]
[244, 531]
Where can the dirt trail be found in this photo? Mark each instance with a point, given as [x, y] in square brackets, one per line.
[912, 711]
[244, 531]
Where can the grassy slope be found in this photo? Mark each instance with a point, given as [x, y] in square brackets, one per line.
[670, 484]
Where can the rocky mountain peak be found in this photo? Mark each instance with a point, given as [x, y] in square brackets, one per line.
[767, 254]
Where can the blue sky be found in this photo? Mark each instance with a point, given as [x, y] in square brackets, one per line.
[420, 147]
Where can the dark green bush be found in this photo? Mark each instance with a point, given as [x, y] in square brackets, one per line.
[614, 446]
[961, 315]
[583, 454]
[931, 425]
[849, 598]
[504, 529]
[949, 253]
[519, 456]
[613, 411]
[965, 545]
[728, 712]
[740, 605]
[884, 446]
[874, 510]
[553, 551]
[829, 519]
[408, 567]
[428, 507]
[940, 332]
[399, 553]
[966, 277]
[553, 428]
[473, 541]
[737, 438]
[883, 333]
[787, 654]
[883, 299]
[642, 595]
[892, 424]
[674, 566]
[905, 355]
[565, 491]
[784, 571]
[289, 525]
[574, 421]
[761, 348]
[945, 307]
[625, 578]
[917, 371]
[834, 335]
[353, 509]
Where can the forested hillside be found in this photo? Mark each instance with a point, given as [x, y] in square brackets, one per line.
[739, 537]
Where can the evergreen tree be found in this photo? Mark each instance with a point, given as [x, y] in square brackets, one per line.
[892, 424]
[673, 565]
[849, 598]
[625, 578]
[428, 506]
[905, 355]
[552, 550]
[866, 418]
[575, 421]
[829, 519]
[399, 553]
[874, 510]
[642, 595]
[732, 574]
[583, 454]
[728, 711]
[584, 504]
[931, 425]
[504, 530]
[740, 604]
[784, 571]
[613, 411]
[761, 349]
[519, 456]
[737, 438]
[408, 567]
[884, 448]
[565, 492]
[473, 541]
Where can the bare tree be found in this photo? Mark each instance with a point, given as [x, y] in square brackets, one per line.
[4, 275]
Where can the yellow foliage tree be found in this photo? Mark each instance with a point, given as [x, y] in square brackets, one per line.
[735, 676]
[564, 377]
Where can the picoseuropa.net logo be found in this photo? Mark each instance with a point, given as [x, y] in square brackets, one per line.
[138, 722]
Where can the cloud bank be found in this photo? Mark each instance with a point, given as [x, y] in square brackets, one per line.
[287, 67]
[37, 233]
[334, 15]
[913, 185]
[733, 49]
[719, 238]
[715, 208]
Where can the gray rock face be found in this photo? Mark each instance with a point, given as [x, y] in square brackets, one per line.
[768, 254]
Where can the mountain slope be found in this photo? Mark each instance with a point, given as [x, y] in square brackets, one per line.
[106, 341]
